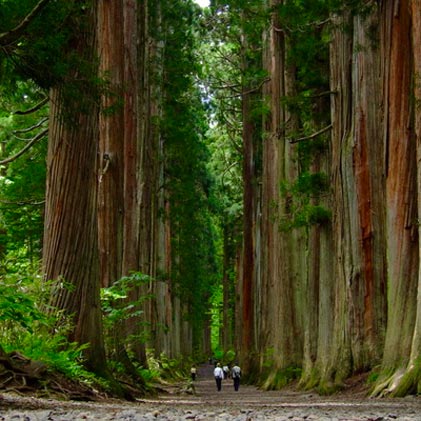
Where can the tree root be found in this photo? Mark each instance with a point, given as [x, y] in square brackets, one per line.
[21, 375]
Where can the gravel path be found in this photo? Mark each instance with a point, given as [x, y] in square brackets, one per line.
[248, 404]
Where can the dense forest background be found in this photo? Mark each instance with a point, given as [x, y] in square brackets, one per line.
[239, 180]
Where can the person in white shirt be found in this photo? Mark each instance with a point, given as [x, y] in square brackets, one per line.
[193, 372]
[219, 375]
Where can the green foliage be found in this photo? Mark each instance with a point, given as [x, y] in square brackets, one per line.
[268, 358]
[117, 305]
[22, 181]
[26, 326]
[307, 35]
[312, 183]
[307, 30]
[228, 356]
[282, 378]
[42, 53]
[231, 53]
[307, 215]
[356, 7]
[216, 317]
[187, 180]
[318, 215]
[218, 354]
[301, 208]
[17, 308]
[373, 376]
[164, 368]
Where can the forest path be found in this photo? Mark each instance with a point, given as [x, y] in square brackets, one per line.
[251, 403]
[207, 404]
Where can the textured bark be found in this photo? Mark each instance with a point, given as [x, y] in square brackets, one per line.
[402, 336]
[155, 230]
[227, 333]
[344, 200]
[358, 183]
[131, 175]
[368, 309]
[71, 237]
[401, 190]
[249, 227]
[411, 382]
[118, 180]
[416, 45]
[111, 141]
[131, 178]
[319, 297]
[118, 212]
[280, 252]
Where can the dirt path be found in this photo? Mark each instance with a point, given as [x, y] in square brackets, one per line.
[208, 404]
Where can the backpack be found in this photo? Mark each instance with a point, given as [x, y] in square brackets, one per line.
[236, 372]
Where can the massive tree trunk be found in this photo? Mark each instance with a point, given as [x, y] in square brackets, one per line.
[280, 251]
[358, 183]
[227, 333]
[411, 381]
[118, 212]
[318, 284]
[401, 197]
[71, 236]
[368, 309]
[250, 198]
[132, 176]
[110, 211]
[155, 230]
[111, 146]
[400, 57]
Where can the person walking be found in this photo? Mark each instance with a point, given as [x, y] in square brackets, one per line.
[236, 376]
[219, 375]
[226, 371]
[193, 372]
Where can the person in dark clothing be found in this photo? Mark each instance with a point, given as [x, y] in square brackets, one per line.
[236, 376]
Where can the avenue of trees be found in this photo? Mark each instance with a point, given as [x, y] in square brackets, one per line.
[244, 178]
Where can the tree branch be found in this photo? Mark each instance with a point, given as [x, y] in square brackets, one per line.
[23, 203]
[33, 109]
[302, 28]
[325, 93]
[247, 92]
[312, 136]
[29, 129]
[31, 142]
[7, 38]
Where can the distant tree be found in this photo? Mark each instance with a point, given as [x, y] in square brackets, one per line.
[187, 184]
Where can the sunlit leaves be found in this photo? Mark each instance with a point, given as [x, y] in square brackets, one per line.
[116, 303]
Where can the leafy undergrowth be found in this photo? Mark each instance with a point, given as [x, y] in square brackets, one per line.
[26, 377]
[23, 376]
